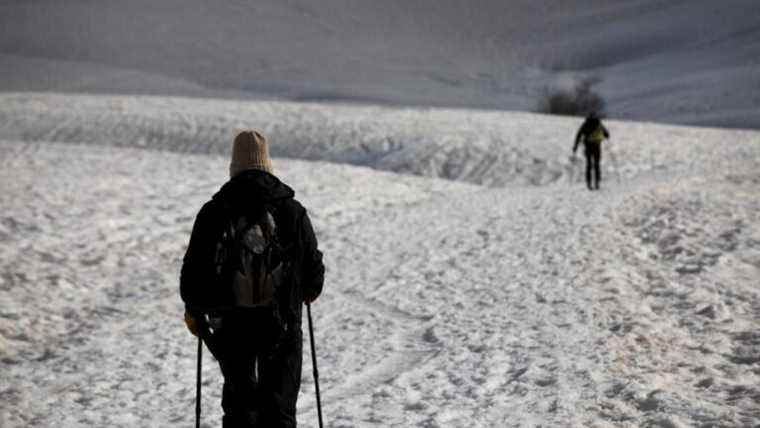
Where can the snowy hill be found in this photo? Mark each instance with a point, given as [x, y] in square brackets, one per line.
[503, 295]
[692, 62]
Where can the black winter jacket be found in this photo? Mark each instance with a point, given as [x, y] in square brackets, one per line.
[249, 189]
[585, 131]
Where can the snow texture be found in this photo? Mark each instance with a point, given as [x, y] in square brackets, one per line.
[472, 280]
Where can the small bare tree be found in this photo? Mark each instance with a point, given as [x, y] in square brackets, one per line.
[579, 101]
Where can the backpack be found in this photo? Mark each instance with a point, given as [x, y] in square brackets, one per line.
[249, 259]
[597, 136]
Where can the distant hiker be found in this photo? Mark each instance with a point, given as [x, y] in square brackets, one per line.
[592, 132]
[251, 263]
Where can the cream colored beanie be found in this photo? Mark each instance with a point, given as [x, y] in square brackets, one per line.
[250, 151]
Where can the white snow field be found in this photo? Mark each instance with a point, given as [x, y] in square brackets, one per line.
[675, 61]
[472, 281]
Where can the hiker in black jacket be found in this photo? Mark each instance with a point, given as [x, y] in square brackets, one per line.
[592, 133]
[258, 345]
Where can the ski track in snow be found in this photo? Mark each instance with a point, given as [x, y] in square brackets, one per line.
[525, 302]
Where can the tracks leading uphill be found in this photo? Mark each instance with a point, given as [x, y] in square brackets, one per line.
[487, 148]
[446, 304]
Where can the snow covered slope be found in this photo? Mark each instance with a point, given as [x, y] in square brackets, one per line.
[526, 302]
[671, 61]
[483, 147]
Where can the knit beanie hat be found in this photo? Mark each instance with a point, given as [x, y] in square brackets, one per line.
[250, 151]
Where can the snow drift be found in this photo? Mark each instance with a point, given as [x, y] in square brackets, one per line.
[488, 289]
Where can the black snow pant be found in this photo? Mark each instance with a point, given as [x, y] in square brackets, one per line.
[261, 369]
[593, 158]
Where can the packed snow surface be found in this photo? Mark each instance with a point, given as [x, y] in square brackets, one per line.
[472, 281]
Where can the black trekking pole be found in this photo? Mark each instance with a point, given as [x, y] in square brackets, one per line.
[314, 363]
[198, 385]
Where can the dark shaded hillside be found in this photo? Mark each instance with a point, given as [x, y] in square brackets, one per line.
[677, 61]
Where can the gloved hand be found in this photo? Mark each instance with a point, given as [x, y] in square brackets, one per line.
[191, 324]
[309, 298]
